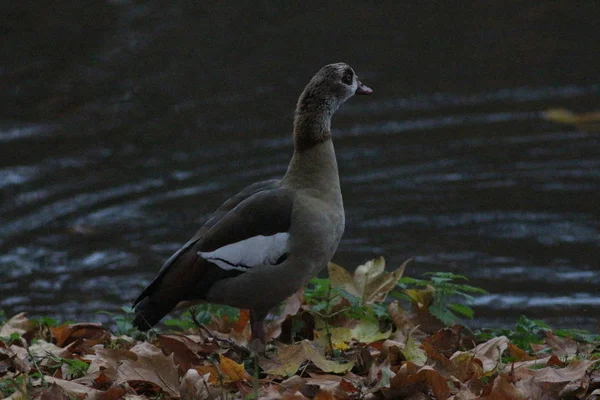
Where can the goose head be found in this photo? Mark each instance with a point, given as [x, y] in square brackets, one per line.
[329, 89]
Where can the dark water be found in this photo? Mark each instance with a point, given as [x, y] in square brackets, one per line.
[124, 124]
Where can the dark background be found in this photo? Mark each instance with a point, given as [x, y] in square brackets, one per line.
[124, 124]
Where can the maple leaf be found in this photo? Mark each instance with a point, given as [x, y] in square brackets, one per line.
[370, 282]
[151, 366]
[291, 357]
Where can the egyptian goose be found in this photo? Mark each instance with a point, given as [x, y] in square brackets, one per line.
[270, 239]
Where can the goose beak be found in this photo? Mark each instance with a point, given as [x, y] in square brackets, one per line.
[363, 89]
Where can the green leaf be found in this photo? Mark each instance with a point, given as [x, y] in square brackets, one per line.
[442, 313]
[462, 309]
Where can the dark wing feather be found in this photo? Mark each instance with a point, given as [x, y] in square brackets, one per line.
[262, 210]
[215, 218]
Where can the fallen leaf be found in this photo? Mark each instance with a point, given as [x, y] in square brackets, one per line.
[66, 334]
[519, 354]
[194, 386]
[371, 283]
[151, 366]
[561, 347]
[324, 395]
[446, 341]
[589, 121]
[184, 350]
[361, 330]
[42, 349]
[401, 320]
[290, 307]
[213, 376]
[290, 357]
[555, 362]
[413, 352]
[232, 370]
[411, 379]
[70, 388]
[573, 372]
[490, 352]
[466, 367]
[503, 389]
[53, 392]
[19, 324]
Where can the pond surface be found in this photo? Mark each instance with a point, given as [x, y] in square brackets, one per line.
[125, 124]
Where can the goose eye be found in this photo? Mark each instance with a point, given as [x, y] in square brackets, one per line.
[347, 79]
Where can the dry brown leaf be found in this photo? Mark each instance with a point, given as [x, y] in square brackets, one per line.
[53, 392]
[466, 367]
[556, 362]
[402, 321]
[107, 361]
[324, 381]
[194, 386]
[290, 307]
[412, 379]
[289, 359]
[575, 371]
[519, 354]
[561, 347]
[184, 350]
[274, 395]
[324, 395]
[446, 341]
[42, 350]
[490, 352]
[72, 388]
[66, 334]
[17, 324]
[464, 393]
[503, 389]
[151, 366]
[115, 392]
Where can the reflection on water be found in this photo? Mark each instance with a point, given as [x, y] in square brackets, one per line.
[114, 150]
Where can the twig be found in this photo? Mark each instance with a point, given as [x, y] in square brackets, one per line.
[228, 342]
[37, 367]
[326, 320]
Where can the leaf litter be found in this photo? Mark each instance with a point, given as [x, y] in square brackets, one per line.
[368, 360]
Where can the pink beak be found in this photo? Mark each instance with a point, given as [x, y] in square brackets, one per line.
[363, 89]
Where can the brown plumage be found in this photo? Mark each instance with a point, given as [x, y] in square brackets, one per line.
[270, 239]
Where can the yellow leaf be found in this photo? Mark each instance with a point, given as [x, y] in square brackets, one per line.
[363, 331]
[342, 346]
[289, 359]
[213, 378]
[589, 121]
[371, 283]
[422, 298]
[339, 277]
[232, 370]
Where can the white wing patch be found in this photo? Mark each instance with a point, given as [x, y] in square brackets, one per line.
[248, 253]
